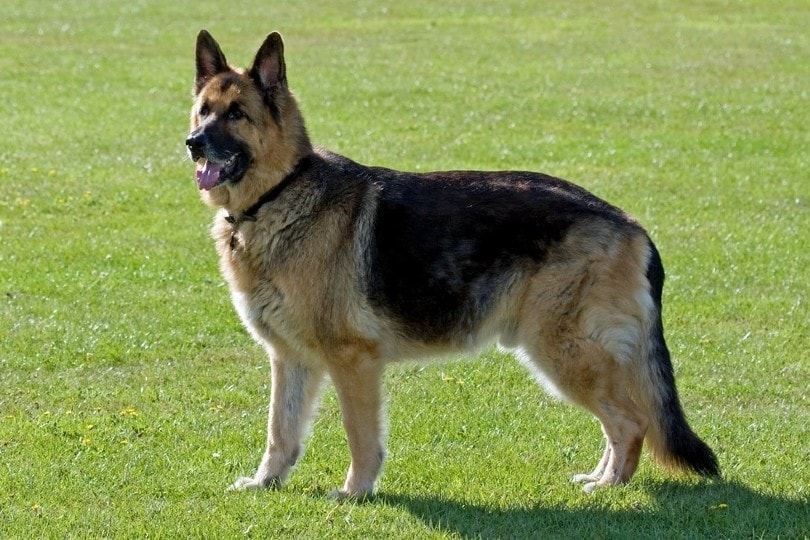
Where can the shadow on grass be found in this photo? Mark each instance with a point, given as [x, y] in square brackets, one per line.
[710, 510]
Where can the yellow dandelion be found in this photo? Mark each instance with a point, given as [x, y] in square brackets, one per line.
[449, 379]
[129, 411]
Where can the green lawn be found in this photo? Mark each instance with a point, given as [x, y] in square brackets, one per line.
[130, 396]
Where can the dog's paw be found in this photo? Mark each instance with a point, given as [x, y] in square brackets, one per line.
[590, 482]
[247, 483]
[583, 478]
[590, 487]
[342, 495]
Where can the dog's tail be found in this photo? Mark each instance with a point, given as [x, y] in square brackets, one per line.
[670, 439]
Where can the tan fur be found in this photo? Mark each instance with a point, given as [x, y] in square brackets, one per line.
[588, 349]
[579, 321]
[280, 146]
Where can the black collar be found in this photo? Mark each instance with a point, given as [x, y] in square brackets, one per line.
[271, 195]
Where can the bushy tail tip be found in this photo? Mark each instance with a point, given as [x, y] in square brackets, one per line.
[689, 452]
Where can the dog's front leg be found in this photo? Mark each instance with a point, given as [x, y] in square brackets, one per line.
[358, 389]
[294, 391]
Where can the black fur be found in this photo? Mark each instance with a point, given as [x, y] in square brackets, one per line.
[444, 242]
[209, 60]
[212, 140]
[269, 74]
[682, 443]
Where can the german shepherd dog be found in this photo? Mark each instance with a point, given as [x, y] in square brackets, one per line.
[337, 268]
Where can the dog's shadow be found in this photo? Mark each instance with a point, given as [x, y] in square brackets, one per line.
[707, 510]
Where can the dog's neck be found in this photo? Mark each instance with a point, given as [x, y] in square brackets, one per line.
[272, 194]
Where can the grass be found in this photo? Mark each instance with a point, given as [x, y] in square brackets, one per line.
[130, 396]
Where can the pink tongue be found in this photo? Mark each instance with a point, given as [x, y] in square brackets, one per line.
[208, 176]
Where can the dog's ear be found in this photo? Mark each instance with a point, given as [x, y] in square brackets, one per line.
[268, 69]
[210, 60]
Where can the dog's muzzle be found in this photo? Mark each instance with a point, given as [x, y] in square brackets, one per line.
[196, 143]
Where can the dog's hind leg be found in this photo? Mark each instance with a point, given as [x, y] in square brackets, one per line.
[583, 346]
[624, 426]
[357, 383]
[294, 391]
[583, 329]
[585, 374]
[597, 473]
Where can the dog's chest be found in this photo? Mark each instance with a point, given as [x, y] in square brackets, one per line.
[261, 309]
[248, 249]
[262, 282]
[262, 300]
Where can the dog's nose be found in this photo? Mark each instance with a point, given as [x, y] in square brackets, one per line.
[196, 145]
[195, 141]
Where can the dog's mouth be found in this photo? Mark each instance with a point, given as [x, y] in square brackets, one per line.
[211, 174]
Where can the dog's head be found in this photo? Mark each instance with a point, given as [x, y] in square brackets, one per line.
[246, 130]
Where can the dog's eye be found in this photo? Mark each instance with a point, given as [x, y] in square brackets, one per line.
[204, 110]
[235, 113]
